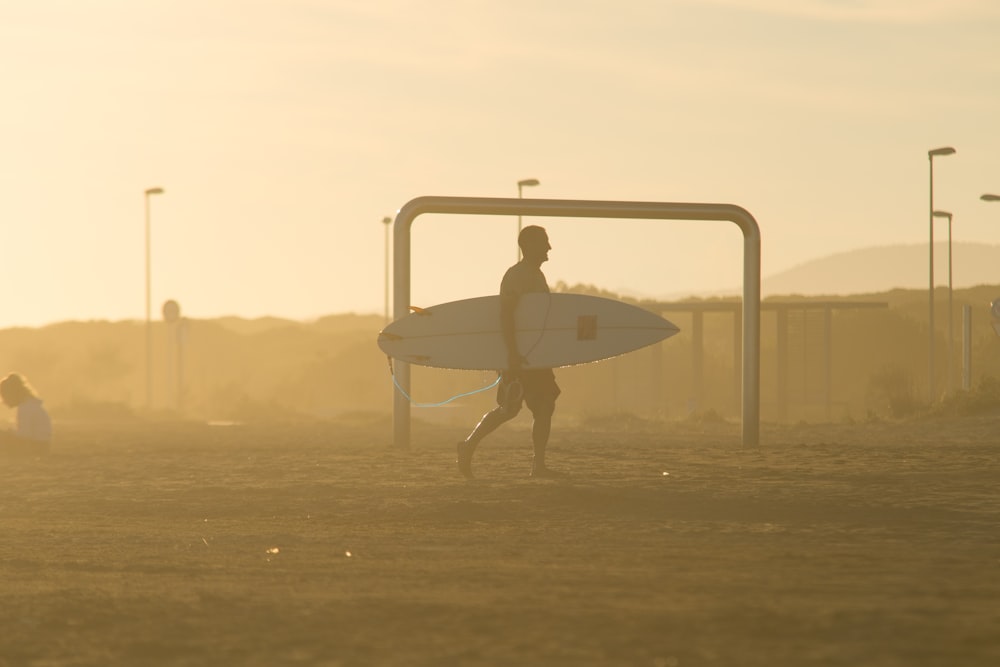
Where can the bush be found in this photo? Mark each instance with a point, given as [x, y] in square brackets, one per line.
[983, 399]
[892, 387]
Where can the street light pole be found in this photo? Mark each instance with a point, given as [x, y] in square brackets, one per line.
[387, 221]
[951, 337]
[149, 322]
[931, 154]
[526, 183]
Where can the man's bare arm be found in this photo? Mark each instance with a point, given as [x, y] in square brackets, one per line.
[508, 306]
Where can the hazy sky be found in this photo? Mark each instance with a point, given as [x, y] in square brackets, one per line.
[283, 131]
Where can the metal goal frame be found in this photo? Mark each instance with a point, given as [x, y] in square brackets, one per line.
[576, 208]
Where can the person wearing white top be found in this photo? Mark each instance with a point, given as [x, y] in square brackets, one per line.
[33, 432]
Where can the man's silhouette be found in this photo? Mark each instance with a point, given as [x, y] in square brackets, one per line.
[534, 386]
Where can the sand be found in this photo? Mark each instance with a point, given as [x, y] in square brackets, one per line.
[319, 544]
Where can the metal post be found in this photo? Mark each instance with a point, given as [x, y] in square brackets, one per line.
[931, 154]
[588, 209]
[930, 307]
[387, 221]
[181, 341]
[698, 357]
[966, 347]
[149, 321]
[737, 353]
[524, 183]
[949, 360]
[782, 351]
[951, 318]
[828, 360]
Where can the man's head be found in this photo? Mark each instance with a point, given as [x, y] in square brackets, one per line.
[534, 243]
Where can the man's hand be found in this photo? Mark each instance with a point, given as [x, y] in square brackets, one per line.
[514, 363]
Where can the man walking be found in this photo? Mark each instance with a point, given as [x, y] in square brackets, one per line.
[535, 387]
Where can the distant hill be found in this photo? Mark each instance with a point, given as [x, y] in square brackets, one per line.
[339, 323]
[235, 369]
[249, 326]
[885, 268]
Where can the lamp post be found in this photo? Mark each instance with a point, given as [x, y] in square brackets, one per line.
[951, 339]
[387, 221]
[149, 322]
[526, 183]
[931, 154]
[989, 197]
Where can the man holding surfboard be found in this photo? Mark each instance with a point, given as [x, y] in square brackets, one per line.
[535, 387]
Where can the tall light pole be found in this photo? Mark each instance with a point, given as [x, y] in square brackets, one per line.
[931, 154]
[149, 321]
[951, 337]
[387, 221]
[526, 183]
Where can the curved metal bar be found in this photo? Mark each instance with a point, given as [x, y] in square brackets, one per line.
[575, 208]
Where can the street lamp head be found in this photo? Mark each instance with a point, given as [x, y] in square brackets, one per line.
[387, 220]
[989, 197]
[942, 214]
[528, 182]
[154, 191]
[945, 150]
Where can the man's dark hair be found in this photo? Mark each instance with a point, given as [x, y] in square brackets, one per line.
[530, 234]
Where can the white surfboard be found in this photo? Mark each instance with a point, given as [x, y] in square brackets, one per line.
[553, 330]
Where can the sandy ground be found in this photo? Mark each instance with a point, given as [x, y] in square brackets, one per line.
[183, 544]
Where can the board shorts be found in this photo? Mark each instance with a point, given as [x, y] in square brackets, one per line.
[538, 391]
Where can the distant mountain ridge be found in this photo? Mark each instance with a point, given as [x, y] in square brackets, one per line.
[883, 268]
[870, 270]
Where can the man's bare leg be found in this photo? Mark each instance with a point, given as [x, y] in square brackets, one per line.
[540, 430]
[489, 423]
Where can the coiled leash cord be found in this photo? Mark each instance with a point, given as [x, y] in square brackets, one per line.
[437, 404]
[516, 385]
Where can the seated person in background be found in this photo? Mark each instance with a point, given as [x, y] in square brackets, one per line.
[33, 432]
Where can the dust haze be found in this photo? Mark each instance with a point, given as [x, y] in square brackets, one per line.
[256, 513]
[870, 364]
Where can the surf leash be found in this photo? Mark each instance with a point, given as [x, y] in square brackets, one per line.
[437, 404]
